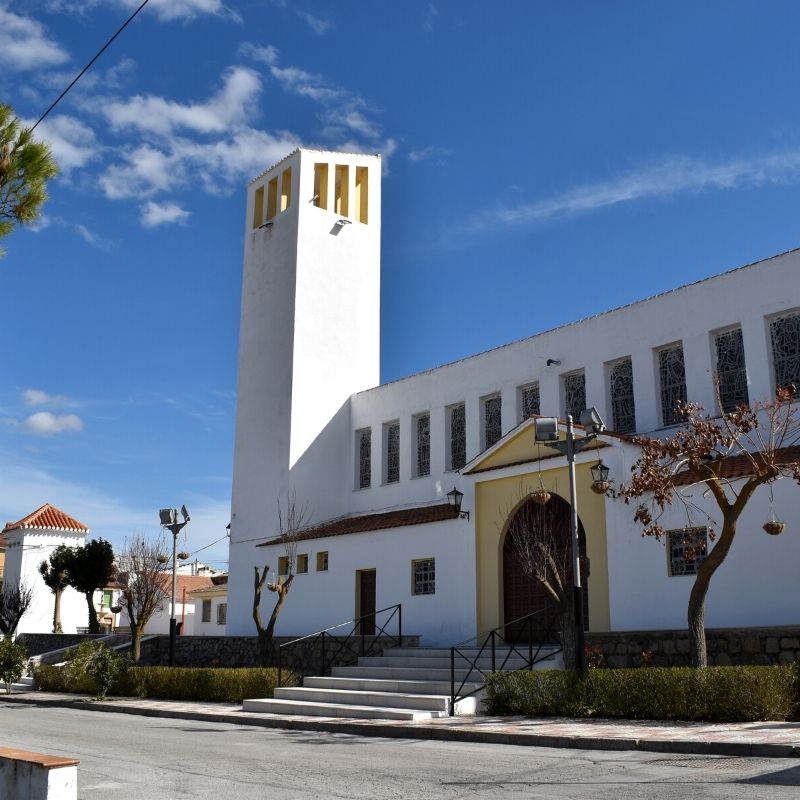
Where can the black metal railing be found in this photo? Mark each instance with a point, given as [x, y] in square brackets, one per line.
[510, 636]
[320, 650]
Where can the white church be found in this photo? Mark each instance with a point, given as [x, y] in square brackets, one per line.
[375, 463]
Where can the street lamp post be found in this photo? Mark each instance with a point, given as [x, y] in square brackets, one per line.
[169, 520]
[546, 431]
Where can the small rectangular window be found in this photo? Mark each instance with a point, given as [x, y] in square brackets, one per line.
[574, 394]
[457, 436]
[286, 188]
[206, 611]
[392, 450]
[364, 458]
[362, 194]
[623, 410]
[272, 198]
[731, 372]
[687, 548]
[302, 563]
[423, 571]
[341, 190]
[258, 207]
[492, 420]
[222, 613]
[422, 425]
[321, 186]
[785, 335]
[529, 404]
[672, 376]
[283, 565]
[322, 561]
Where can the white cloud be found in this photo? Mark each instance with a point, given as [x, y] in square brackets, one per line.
[318, 25]
[72, 142]
[25, 45]
[44, 423]
[230, 107]
[92, 238]
[665, 179]
[143, 171]
[155, 214]
[165, 10]
[37, 397]
[428, 153]
[429, 18]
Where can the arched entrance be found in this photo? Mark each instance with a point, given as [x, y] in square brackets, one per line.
[532, 530]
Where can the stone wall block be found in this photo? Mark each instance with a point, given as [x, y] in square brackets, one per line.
[772, 645]
[790, 644]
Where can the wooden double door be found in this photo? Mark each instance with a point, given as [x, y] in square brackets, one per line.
[366, 592]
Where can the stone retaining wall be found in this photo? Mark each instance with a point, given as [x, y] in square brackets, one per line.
[37, 643]
[725, 646]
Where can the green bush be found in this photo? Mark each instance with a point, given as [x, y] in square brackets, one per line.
[212, 685]
[12, 661]
[91, 668]
[718, 694]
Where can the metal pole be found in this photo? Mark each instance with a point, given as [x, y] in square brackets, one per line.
[577, 588]
[172, 623]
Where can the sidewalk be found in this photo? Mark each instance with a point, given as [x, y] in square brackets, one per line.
[763, 739]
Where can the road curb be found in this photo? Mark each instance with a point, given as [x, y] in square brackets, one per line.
[432, 732]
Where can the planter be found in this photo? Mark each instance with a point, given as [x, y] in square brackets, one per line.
[774, 527]
[600, 487]
[540, 496]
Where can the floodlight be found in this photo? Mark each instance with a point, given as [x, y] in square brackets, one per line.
[185, 513]
[168, 516]
[545, 429]
[592, 421]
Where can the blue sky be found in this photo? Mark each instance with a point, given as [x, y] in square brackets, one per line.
[543, 162]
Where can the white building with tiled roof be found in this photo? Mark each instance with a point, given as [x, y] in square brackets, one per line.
[29, 542]
[374, 462]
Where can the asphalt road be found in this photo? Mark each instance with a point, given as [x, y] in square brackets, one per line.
[143, 758]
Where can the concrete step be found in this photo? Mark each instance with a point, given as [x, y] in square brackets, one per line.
[420, 702]
[418, 673]
[296, 707]
[469, 652]
[484, 663]
[378, 685]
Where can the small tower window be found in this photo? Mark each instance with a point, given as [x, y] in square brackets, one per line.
[286, 189]
[342, 190]
[258, 207]
[272, 198]
[362, 194]
[321, 186]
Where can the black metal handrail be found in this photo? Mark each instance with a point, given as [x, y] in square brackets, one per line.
[490, 640]
[341, 644]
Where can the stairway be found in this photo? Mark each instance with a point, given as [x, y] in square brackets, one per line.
[409, 683]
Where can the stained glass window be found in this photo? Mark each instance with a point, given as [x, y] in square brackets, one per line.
[785, 332]
[731, 372]
[492, 420]
[623, 410]
[424, 576]
[574, 394]
[364, 439]
[673, 383]
[393, 452]
[423, 444]
[687, 548]
[458, 436]
[529, 400]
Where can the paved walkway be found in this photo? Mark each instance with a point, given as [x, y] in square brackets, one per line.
[763, 739]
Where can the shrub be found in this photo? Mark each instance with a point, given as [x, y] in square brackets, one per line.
[12, 661]
[720, 694]
[91, 668]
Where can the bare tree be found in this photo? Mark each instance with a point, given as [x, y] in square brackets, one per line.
[143, 585]
[539, 546]
[757, 444]
[291, 520]
[14, 603]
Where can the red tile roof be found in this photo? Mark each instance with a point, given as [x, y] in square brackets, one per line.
[739, 466]
[384, 520]
[47, 518]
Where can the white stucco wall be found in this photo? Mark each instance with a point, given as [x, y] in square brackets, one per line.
[211, 628]
[27, 549]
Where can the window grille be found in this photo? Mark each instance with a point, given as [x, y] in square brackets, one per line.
[364, 458]
[673, 383]
[785, 333]
[424, 575]
[687, 548]
[623, 410]
[492, 420]
[393, 452]
[731, 372]
[423, 444]
[529, 400]
[575, 394]
[458, 436]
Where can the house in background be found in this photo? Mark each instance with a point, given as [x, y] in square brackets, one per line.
[211, 607]
[29, 542]
[375, 463]
[2, 556]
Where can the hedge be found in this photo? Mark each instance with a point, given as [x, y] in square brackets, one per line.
[718, 694]
[212, 685]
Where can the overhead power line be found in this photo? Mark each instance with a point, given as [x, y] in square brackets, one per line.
[97, 55]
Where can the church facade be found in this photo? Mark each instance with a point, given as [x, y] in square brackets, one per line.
[374, 463]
